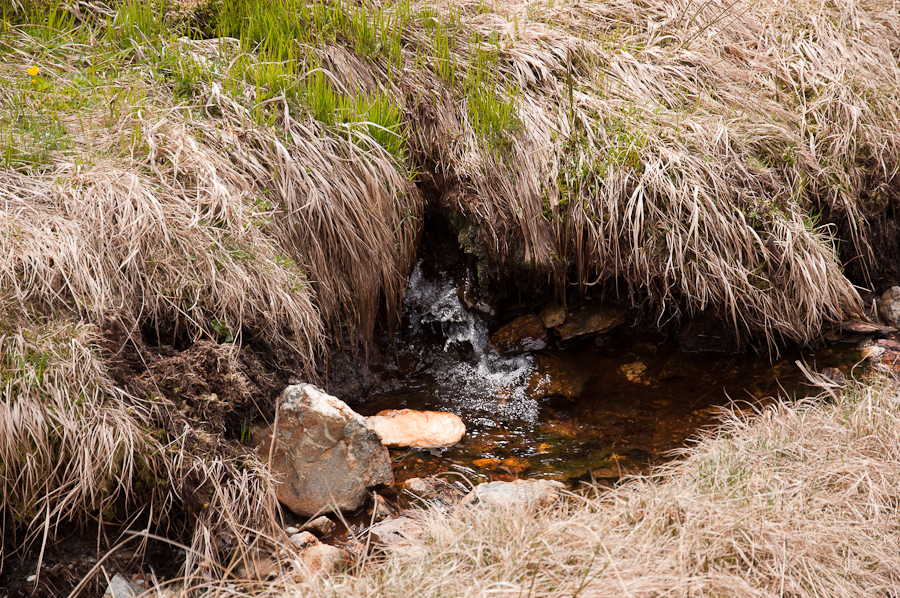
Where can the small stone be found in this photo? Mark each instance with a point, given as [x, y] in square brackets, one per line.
[417, 429]
[380, 509]
[321, 526]
[835, 375]
[539, 493]
[593, 319]
[291, 530]
[889, 307]
[553, 315]
[435, 491]
[120, 587]
[303, 540]
[522, 335]
[421, 487]
[324, 559]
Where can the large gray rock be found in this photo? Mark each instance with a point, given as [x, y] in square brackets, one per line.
[324, 455]
[889, 307]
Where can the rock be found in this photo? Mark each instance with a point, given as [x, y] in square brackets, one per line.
[120, 587]
[522, 335]
[539, 493]
[291, 530]
[593, 319]
[380, 509]
[834, 375]
[320, 526]
[418, 429]
[556, 375]
[402, 534]
[863, 327]
[553, 315]
[303, 540]
[435, 491]
[324, 559]
[889, 307]
[324, 456]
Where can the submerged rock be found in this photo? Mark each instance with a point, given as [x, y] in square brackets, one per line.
[539, 493]
[889, 307]
[522, 335]
[593, 319]
[324, 455]
[417, 429]
[556, 376]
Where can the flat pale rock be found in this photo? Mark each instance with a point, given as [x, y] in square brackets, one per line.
[324, 455]
[417, 429]
[593, 319]
[400, 535]
[538, 493]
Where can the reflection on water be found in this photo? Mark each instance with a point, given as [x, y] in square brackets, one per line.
[602, 408]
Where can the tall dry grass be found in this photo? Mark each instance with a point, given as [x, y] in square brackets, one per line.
[798, 500]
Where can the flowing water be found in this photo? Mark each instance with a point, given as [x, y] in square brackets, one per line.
[615, 404]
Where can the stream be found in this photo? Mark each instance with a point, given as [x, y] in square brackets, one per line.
[593, 409]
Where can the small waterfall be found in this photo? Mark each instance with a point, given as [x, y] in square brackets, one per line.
[470, 377]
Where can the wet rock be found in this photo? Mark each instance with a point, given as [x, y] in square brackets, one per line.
[889, 307]
[538, 493]
[553, 315]
[593, 319]
[324, 455]
[120, 587]
[303, 540]
[324, 559]
[863, 327]
[522, 335]
[321, 526]
[418, 429]
[555, 375]
[635, 372]
[435, 491]
[834, 375]
[884, 354]
[400, 535]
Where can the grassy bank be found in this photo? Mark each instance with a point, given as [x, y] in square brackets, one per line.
[197, 198]
[799, 500]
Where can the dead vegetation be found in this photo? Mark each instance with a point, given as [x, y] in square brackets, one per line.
[239, 173]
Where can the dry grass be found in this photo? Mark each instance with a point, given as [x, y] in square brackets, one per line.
[686, 156]
[800, 500]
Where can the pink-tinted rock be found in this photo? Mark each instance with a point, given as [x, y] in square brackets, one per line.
[418, 429]
[524, 334]
[324, 455]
